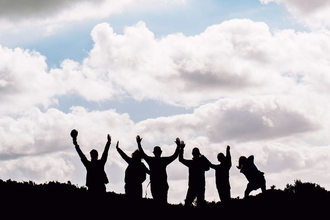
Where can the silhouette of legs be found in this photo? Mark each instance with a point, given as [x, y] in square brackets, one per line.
[193, 192]
[263, 184]
[248, 189]
[224, 194]
[159, 192]
[97, 189]
[260, 184]
[134, 191]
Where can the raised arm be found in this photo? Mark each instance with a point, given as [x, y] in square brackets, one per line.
[82, 156]
[228, 152]
[176, 152]
[122, 154]
[228, 156]
[106, 150]
[138, 140]
[181, 151]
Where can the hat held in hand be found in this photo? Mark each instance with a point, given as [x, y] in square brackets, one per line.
[74, 133]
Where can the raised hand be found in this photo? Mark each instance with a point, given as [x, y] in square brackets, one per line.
[182, 144]
[177, 141]
[109, 138]
[117, 145]
[74, 134]
[138, 139]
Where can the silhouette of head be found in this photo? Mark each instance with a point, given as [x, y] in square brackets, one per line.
[195, 152]
[136, 156]
[241, 161]
[221, 157]
[157, 151]
[94, 155]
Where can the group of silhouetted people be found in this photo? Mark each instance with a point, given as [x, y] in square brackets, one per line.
[136, 171]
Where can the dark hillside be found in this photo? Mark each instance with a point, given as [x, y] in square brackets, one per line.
[66, 201]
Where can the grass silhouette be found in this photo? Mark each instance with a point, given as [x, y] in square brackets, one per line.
[65, 201]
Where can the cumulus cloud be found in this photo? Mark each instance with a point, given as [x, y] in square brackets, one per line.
[47, 17]
[37, 146]
[24, 80]
[263, 93]
[314, 14]
[233, 58]
[49, 167]
[232, 121]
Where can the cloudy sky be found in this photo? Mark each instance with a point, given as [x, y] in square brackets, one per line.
[250, 74]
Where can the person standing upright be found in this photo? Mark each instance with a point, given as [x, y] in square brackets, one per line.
[157, 165]
[96, 177]
[196, 182]
[222, 175]
[135, 174]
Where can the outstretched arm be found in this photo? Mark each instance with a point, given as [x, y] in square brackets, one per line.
[122, 154]
[213, 166]
[80, 153]
[228, 152]
[138, 140]
[228, 156]
[176, 152]
[106, 150]
[181, 151]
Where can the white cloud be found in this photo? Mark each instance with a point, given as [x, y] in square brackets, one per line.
[314, 14]
[237, 58]
[262, 93]
[24, 80]
[49, 167]
[231, 59]
[37, 146]
[47, 17]
[18, 9]
[29, 141]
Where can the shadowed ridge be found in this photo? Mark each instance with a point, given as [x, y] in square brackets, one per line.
[65, 200]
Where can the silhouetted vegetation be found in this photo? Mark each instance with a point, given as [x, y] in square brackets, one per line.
[65, 200]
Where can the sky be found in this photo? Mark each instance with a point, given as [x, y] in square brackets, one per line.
[250, 74]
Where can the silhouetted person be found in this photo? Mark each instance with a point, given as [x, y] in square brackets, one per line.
[222, 175]
[196, 182]
[253, 175]
[157, 165]
[96, 177]
[135, 174]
